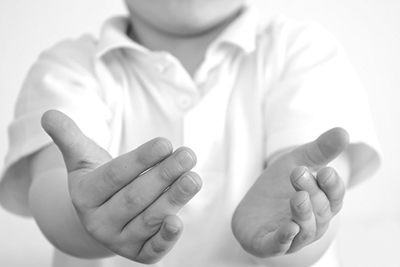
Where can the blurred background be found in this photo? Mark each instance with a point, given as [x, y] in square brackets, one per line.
[370, 32]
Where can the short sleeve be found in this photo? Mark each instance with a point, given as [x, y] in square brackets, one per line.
[63, 78]
[317, 89]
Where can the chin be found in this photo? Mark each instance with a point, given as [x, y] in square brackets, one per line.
[190, 26]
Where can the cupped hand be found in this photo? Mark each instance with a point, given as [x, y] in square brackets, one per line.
[127, 204]
[293, 201]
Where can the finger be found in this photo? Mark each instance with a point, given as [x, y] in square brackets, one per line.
[99, 185]
[333, 186]
[303, 180]
[278, 242]
[303, 215]
[74, 145]
[137, 196]
[162, 242]
[323, 150]
[169, 203]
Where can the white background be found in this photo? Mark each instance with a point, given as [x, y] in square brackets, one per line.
[370, 33]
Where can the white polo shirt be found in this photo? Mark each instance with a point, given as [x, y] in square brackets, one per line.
[263, 87]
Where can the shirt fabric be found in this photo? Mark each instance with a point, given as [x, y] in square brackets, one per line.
[263, 86]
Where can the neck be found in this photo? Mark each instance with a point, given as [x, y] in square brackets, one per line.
[189, 50]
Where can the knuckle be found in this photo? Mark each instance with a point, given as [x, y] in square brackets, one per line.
[284, 239]
[133, 199]
[324, 213]
[151, 222]
[307, 235]
[158, 248]
[113, 176]
[166, 174]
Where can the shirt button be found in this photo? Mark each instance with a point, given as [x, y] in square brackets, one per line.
[185, 102]
[161, 67]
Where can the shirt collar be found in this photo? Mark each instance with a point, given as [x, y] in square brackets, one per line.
[241, 33]
[114, 36]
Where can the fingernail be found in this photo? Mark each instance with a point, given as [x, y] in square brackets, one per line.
[304, 179]
[161, 148]
[184, 159]
[304, 205]
[171, 229]
[298, 172]
[188, 185]
[328, 177]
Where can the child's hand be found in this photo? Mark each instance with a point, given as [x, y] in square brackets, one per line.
[288, 208]
[127, 211]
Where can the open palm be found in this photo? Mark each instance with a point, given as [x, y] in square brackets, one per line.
[127, 204]
[289, 207]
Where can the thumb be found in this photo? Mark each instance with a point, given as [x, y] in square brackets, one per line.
[323, 150]
[78, 150]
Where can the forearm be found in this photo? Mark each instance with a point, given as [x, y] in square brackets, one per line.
[52, 209]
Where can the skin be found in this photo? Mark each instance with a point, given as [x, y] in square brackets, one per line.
[180, 26]
[123, 211]
[109, 206]
[119, 208]
[92, 228]
[182, 18]
[289, 208]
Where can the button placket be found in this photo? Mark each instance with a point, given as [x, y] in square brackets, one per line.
[161, 67]
[161, 62]
[185, 102]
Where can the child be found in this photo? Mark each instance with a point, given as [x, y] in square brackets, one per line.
[247, 97]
